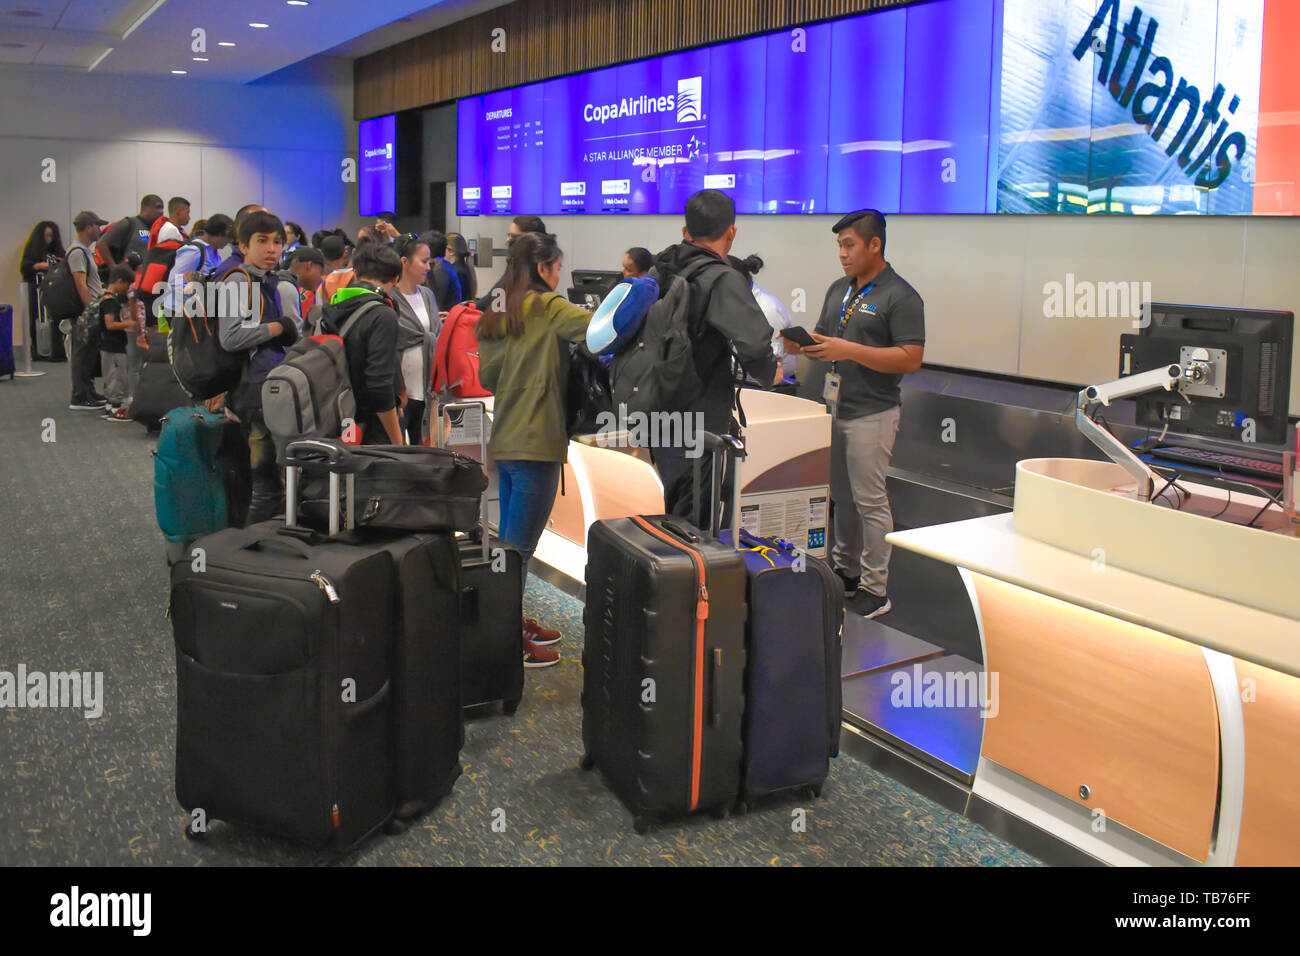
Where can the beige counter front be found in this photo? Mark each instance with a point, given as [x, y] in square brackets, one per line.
[1147, 661]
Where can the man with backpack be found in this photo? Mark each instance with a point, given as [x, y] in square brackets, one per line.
[370, 341]
[84, 280]
[199, 255]
[257, 316]
[130, 234]
[722, 319]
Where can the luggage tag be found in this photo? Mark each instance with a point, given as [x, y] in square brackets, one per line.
[831, 388]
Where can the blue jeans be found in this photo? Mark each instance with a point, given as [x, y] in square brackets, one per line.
[527, 493]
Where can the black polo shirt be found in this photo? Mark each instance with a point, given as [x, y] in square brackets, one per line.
[892, 313]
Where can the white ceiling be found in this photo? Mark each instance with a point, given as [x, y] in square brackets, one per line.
[155, 37]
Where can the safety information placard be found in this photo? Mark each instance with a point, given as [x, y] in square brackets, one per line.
[798, 515]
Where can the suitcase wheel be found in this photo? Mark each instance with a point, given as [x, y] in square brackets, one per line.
[741, 808]
[815, 791]
[192, 834]
[641, 825]
[395, 826]
[720, 812]
[510, 706]
[587, 762]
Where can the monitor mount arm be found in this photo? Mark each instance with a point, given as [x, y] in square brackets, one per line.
[1166, 377]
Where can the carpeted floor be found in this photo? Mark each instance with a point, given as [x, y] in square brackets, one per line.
[83, 588]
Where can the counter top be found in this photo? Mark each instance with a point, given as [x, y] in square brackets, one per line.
[992, 547]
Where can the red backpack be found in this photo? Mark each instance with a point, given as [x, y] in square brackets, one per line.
[455, 357]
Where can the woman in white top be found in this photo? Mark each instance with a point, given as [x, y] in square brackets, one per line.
[417, 320]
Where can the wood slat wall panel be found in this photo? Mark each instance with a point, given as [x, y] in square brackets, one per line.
[546, 38]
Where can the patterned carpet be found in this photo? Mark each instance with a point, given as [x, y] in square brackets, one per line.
[83, 587]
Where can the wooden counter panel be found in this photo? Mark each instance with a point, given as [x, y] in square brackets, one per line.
[1087, 699]
[1270, 815]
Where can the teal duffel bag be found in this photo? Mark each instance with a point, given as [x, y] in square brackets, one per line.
[188, 487]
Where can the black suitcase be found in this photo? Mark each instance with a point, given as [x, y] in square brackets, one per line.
[157, 392]
[428, 729]
[664, 664]
[492, 605]
[284, 690]
[428, 724]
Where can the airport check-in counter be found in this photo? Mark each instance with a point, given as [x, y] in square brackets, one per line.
[784, 484]
[1117, 679]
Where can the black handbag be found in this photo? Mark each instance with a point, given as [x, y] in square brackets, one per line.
[399, 487]
[587, 393]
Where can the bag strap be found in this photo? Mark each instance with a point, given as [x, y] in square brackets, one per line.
[343, 329]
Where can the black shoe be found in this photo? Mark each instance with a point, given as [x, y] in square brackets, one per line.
[868, 604]
[92, 405]
[850, 583]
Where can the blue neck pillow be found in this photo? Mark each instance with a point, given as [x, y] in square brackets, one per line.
[620, 315]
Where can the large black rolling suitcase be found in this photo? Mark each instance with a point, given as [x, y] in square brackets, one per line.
[492, 604]
[664, 664]
[157, 392]
[792, 669]
[284, 719]
[428, 728]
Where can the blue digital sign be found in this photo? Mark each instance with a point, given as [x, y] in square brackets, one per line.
[377, 169]
[951, 106]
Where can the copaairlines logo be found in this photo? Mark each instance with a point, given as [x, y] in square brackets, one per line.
[385, 151]
[686, 104]
[1155, 104]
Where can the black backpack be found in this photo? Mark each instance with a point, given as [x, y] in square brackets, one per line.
[59, 296]
[656, 371]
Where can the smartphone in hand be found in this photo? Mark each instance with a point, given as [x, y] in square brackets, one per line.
[800, 336]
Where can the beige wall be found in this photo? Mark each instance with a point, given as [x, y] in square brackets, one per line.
[982, 277]
[280, 141]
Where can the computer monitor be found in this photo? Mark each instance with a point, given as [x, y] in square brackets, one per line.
[1250, 353]
[590, 287]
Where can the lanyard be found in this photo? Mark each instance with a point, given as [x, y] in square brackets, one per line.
[846, 308]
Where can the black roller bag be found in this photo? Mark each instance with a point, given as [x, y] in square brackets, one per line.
[158, 391]
[664, 663]
[492, 604]
[428, 728]
[284, 685]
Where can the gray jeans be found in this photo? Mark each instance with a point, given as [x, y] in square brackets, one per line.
[860, 452]
[116, 388]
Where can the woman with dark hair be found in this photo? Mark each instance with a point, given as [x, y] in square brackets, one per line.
[417, 331]
[637, 262]
[44, 249]
[459, 258]
[293, 238]
[523, 361]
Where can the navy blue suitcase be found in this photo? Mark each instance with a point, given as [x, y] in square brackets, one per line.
[7, 340]
[792, 674]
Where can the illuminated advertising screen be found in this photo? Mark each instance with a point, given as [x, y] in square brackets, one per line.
[954, 106]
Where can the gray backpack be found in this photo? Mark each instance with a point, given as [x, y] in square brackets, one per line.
[309, 394]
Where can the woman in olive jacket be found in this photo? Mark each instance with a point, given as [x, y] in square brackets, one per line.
[523, 361]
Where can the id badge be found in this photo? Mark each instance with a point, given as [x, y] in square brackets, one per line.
[831, 389]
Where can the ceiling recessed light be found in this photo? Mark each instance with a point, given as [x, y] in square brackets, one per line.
[297, 3]
[200, 59]
[259, 26]
[179, 72]
[225, 43]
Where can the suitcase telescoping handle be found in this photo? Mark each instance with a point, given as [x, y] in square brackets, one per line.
[446, 409]
[315, 453]
[720, 448]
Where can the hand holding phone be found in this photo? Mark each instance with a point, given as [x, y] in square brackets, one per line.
[799, 336]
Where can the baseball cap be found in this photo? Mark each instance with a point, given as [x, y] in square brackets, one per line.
[87, 218]
[307, 254]
[332, 248]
